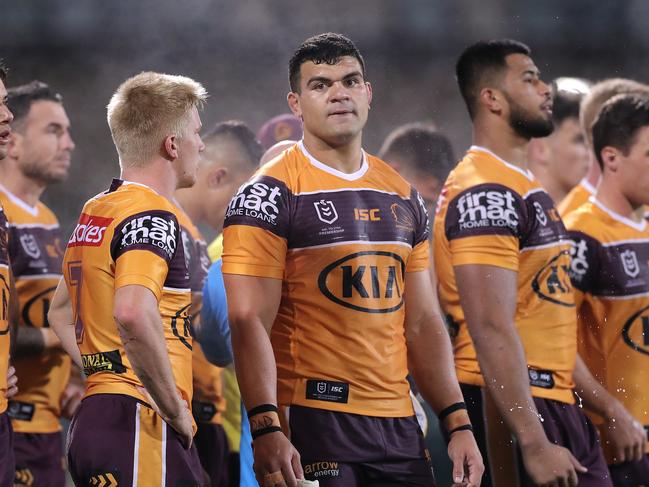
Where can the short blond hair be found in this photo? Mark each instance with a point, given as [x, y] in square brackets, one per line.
[146, 109]
[599, 94]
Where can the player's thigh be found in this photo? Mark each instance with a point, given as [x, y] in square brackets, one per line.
[630, 474]
[39, 459]
[7, 465]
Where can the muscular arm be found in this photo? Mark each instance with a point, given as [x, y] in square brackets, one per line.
[427, 339]
[251, 319]
[61, 319]
[488, 298]
[138, 319]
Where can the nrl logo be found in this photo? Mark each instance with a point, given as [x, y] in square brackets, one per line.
[322, 387]
[30, 246]
[630, 263]
[540, 214]
[326, 211]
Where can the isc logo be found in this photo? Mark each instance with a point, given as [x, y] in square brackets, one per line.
[369, 281]
[364, 215]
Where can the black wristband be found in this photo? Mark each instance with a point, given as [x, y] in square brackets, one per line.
[464, 427]
[264, 408]
[451, 409]
[265, 431]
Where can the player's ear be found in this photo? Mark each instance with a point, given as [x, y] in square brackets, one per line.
[491, 99]
[369, 93]
[171, 147]
[610, 158]
[216, 176]
[293, 100]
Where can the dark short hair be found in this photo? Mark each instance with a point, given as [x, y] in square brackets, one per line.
[618, 123]
[3, 71]
[20, 98]
[480, 60]
[240, 132]
[325, 48]
[422, 147]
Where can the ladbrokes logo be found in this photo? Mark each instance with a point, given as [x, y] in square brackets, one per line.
[157, 230]
[369, 281]
[552, 281]
[487, 208]
[256, 200]
[89, 231]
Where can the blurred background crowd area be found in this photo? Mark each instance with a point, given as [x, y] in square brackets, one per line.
[240, 49]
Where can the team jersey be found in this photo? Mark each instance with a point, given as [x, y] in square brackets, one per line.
[576, 197]
[207, 402]
[493, 213]
[610, 273]
[36, 254]
[128, 235]
[4, 309]
[342, 244]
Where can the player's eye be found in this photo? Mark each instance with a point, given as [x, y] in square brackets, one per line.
[352, 82]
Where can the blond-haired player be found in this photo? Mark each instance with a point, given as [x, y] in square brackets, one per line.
[599, 94]
[122, 312]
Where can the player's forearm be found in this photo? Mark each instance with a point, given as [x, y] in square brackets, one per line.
[35, 341]
[254, 361]
[68, 338]
[594, 396]
[146, 350]
[428, 340]
[504, 368]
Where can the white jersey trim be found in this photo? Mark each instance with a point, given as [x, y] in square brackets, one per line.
[641, 227]
[306, 193]
[525, 172]
[547, 246]
[136, 446]
[164, 454]
[51, 226]
[34, 277]
[334, 172]
[620, 298]
[32, 210]
[628, 241]
[177, 289]
[353, 242]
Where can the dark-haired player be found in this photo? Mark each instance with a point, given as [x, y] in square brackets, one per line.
[39, 155]
[231, 155]
[422, 156]
[337, 244]
[560, 160]
[502, 260]
[611, 277]
[7, 459]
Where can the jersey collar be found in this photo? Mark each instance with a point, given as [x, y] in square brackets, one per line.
[324, 167]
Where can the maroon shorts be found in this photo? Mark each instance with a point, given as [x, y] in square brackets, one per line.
[630, 474]
[39, 459]
[7, 463]
[568, 426]
[116, 440]
[349, 450]
[212, 446]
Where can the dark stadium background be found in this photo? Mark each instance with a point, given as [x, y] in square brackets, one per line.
[239, 51]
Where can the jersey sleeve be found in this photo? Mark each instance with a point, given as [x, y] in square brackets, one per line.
[143, 247]
[584, 264]
[419, 259]
[256, 228]
[484, 225]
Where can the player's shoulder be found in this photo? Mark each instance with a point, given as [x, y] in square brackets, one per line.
[481, 167]
[388, 178]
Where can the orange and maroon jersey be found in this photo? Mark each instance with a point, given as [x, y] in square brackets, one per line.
[4, 309]
[575, 198]
[36, 254]
[128, 235]
[208, 402]
[493, 213]
[341, 243]
[610, 273]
